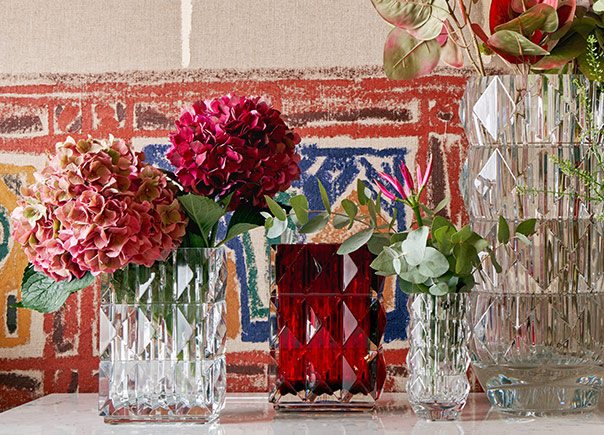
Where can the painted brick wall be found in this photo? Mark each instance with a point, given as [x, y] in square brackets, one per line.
[353, 123]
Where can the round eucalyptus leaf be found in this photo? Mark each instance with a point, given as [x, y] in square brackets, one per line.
[277, 229]
[396, 264]
[413, 275]
[439, 289]
[434, 263]
[414, 246]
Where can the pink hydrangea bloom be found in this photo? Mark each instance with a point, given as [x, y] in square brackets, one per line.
[96, 207]
[234, 144]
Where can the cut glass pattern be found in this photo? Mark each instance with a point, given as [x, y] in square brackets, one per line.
[494, 108]
[162, 335]
[438, 356]
[538, 338]
[327, 323]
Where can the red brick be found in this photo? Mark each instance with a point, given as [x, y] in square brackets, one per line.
[109, 116]
[68, 117]
[19, 120]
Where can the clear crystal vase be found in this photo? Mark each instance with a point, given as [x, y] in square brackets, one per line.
[162, 339]
[438, 357]
[538, 327]
[327, 321]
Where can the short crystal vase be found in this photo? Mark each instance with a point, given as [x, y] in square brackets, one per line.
[327, 321]
[162, 339]
[438, 356]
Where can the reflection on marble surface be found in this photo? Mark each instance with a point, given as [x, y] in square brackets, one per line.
[251, 414]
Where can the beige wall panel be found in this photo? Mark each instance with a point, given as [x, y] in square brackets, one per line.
[85, 36]
[285, 34]
[80, 36]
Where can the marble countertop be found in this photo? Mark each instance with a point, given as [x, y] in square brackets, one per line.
[251, 414]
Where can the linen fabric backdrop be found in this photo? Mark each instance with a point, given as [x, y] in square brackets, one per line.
[79, 69]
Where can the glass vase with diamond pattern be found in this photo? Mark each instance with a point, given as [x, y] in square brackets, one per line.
[538, 327]
[162, 339]
[438, 358]
[327, 321]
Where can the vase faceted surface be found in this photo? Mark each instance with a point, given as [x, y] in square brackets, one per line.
[327, 321]
[162, 339]
[438, 356]
[537, 342]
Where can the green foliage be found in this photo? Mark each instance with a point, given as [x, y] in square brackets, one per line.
[591, 61]
[242, 220]
[316, 224]
[503, 231]
[275, 208]
[324, 197]
[378, 242]
[435, 258]
[300, 205]
[526, 228]
[355, 241]
[440, 259]
[42, 293]
[204, 211]
[363, 193]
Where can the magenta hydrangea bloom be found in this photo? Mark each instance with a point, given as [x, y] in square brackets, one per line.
[96, 207]
[234, 144]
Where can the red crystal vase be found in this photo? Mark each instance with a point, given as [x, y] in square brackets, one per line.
[327, 322]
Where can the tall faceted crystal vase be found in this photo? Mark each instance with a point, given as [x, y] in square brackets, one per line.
[438, 356]
[162, 339]
[538, 327]
[327, 321]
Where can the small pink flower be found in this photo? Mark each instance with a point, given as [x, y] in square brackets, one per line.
[385, 191]
[423, 180]
[406, 191]
[396, 184]
[407, 176]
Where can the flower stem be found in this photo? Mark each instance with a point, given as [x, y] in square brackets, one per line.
[418, 216]
[213, 233]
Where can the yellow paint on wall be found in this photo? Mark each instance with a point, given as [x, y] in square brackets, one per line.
[12, 270]
[232, 297]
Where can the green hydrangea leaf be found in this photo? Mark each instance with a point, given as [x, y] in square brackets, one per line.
[204, 211]
[42, 293]
[242, 220]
